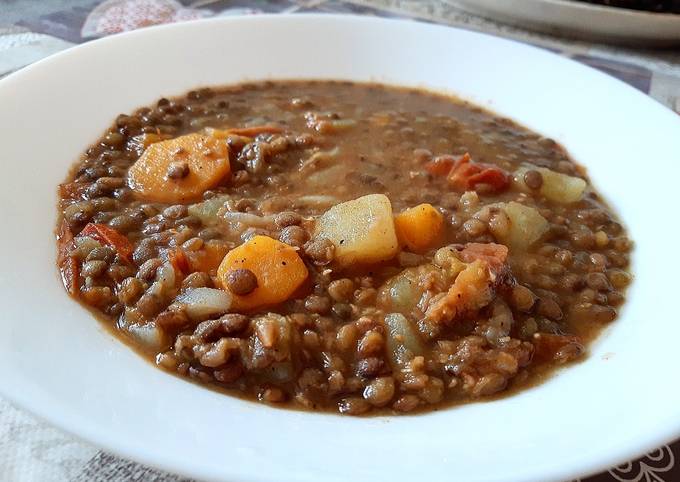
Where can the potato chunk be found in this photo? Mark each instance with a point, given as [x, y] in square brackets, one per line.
[556, 187]
[362, 230]
[526, 225]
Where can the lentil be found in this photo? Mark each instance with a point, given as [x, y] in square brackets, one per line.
[178, 170]
[241, 281]
[293, 235]
[287, 218]
[380, 391]
[318, 304]
[197, 279]
[533, 179]
[341, 289]
[321, 251]
[370, 367]
[93, 268]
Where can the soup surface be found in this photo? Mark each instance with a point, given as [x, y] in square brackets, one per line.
[340, 246]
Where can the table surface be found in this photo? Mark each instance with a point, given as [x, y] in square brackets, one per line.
[31, 450]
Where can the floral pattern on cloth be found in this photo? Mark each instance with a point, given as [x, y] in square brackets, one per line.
[115, 16]
[653, 467]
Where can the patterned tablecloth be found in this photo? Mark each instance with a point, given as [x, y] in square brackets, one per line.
[31, 450]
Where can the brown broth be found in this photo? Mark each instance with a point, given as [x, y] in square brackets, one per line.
[340, 141]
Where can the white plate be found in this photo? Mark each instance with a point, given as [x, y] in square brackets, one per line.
[59, 363]
[582, 20]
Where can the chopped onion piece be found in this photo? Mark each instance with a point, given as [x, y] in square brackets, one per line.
[403, 340]
[248, 220]
[166, 276]
[203, 303]
[319, 201]
[207, 210]
[150, 336]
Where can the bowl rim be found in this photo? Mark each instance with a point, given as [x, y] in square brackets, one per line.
[72, 425]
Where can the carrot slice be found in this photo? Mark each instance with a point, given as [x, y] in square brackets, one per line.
[419, 227]
[203, 161]
[110, 237]
[278, 269]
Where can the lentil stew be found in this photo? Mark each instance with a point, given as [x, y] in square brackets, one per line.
[340, 246]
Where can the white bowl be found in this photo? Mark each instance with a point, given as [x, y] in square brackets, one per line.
[57, 361]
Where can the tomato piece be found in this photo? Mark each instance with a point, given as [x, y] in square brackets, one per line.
[179, 261]
[492, 176]
[495, 255]
[110, 237]
[440, 166]
[466, 175]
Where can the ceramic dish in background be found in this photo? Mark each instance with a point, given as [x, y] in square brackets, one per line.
[582, 20]
[57, 361]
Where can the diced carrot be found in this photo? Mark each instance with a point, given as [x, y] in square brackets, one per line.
[205, 158]
[68, 267]
[207, 259]
[419, 227]
[278, 269]
[110, 237]
[466, 175]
